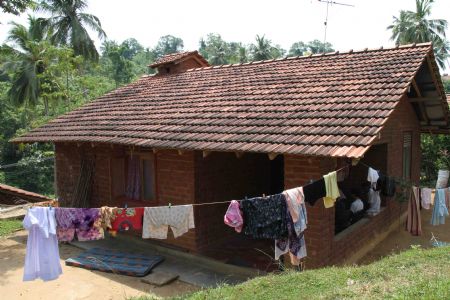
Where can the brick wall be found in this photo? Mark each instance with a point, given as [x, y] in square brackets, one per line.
[299, 170]
[189, 177]
[175, 185]
[171, 68]
[68, 158]
[323, 247]
[174, 173]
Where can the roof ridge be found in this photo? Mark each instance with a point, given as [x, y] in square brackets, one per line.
[351, 51]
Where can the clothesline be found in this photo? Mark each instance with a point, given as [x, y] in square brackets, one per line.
[311, 181]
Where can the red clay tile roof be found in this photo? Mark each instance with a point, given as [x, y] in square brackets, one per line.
[176, 57]
[23, 194]
[327, 105]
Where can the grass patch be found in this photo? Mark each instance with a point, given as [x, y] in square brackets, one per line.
[9, 226]
[413, 274]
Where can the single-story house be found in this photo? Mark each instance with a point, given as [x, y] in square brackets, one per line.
[199, 133]
[11, 195]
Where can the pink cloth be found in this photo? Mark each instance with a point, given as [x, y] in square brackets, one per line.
[233, 216]
[294, 198]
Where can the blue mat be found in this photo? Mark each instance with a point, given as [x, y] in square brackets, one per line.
[117, 262]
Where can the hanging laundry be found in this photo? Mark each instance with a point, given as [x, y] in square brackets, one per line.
[425, 197]
[107, 215]
[294, 244]
[331, 188]
[440, 210]
[233, 216]
[447, 198]
[157, 220]
[373, 194]
[265, 218]
[413, 220]
[65, 220]
[42, 256]
[314, 191]
[295, 201]
[442, 180]
[84, 222]
[372, 177]
[128, 218]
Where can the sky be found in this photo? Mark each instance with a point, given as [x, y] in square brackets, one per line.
[283, 22]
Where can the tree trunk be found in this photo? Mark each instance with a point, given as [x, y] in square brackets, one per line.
[46, 107]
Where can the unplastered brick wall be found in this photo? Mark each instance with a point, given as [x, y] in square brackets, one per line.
[175, 185]
[68, 161]
[298, 171]
[323, 248]
[174, 173]
[222, 176]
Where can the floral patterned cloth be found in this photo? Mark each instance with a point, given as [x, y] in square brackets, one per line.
[85, 222]
[265, 218]
[294, 243]
[128, 218]
[108, 214]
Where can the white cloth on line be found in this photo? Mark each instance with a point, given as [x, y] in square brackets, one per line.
[157, 220]
[372, 177]
[42, 256]
[425, 195]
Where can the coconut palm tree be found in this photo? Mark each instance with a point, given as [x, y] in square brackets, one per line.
[262, 49]
[32, 65]
[28, 51]
[417, 27]
[68, 23]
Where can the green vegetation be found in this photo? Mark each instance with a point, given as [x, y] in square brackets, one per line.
[413, 274]
[9, 226]
[416, 27]
[51, 67]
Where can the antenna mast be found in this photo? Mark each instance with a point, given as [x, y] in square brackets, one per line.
[328, 2]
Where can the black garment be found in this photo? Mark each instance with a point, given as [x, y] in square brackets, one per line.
[386, 185]
[265, 218]
[314, 191]
[342, 216]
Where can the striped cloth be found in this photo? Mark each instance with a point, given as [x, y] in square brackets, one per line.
[413, 221]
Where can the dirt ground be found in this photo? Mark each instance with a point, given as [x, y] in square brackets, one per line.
[74, 283]
[400, 239]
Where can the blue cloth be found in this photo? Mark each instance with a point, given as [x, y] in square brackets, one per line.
[114, 261]
[440, 210]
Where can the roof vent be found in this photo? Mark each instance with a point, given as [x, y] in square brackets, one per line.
[179, 62]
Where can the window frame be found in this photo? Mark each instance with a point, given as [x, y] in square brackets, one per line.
[151, 157]
[407, 165]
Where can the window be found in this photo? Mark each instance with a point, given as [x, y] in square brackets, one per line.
[407, 149]
[148, 178]
[140, 177]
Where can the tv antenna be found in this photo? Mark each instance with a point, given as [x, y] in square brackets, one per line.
[328, 3]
